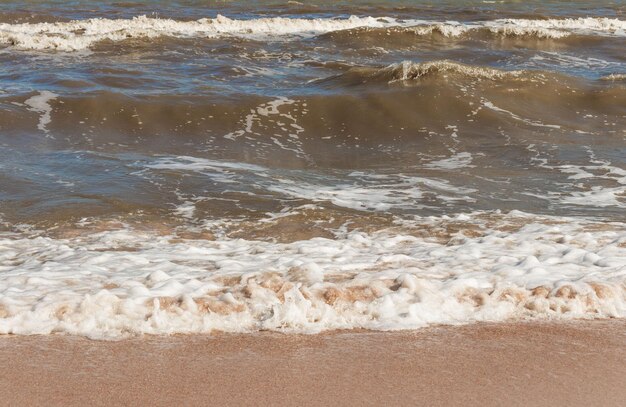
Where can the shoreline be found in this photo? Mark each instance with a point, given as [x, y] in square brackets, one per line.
[552, 363]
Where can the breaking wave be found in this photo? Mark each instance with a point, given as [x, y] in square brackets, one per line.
[614, 77]
[83, 34]
[411, 71]
[450, 270]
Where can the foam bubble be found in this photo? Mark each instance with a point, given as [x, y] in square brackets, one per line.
[435, 270]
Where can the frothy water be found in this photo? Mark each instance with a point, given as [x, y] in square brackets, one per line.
[82, 34]
[307, 167]
[124, 281]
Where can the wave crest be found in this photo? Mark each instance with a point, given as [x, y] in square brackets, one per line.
[412, 71]
[408, 70]
[614, 77]
[83, 34]
[79, 35]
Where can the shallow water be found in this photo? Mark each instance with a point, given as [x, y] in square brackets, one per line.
[184, 167]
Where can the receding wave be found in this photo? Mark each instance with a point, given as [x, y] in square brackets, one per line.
[83, 34]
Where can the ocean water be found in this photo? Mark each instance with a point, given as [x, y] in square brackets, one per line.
[192, 166]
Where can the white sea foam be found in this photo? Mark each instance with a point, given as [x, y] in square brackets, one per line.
[374, 192]
[82, 34]
[116, 283]
[599, 183]
[490, 105]
[450, 29]
[364, 191]
[598, 195]
[41, 104]
[458, 160]
[408, 70]
[275, 118]
[614, 77]
[546, 60]
[590, 25]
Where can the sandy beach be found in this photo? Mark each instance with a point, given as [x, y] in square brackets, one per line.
[552, 364]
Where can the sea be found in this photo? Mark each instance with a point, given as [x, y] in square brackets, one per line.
[171, 167]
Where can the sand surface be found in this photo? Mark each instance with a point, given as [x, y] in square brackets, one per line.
[551, 364]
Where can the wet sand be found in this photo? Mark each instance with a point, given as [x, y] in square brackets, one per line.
[580, 363]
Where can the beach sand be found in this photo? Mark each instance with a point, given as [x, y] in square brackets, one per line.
[530, 364]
